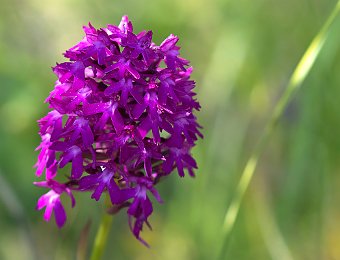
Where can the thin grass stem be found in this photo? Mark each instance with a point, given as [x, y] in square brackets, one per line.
[299, 75]
[102, 234]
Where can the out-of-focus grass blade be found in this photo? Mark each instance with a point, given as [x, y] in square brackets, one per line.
[272, 235]
[300, 73]
[16, 210]
[83, 241]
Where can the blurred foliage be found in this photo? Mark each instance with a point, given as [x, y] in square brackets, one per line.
[243, 53]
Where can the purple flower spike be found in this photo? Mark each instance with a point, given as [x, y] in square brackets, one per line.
[122, 115]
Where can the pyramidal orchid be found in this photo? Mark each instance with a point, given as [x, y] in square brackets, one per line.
[122, 117]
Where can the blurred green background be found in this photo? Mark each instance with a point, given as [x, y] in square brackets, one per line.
[243, 53]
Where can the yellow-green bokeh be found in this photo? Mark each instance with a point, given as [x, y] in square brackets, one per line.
[243, 53]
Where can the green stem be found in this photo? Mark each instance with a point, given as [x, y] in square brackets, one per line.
[102, 235]
[300, 73]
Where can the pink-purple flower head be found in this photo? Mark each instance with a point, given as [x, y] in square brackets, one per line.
[122, 116]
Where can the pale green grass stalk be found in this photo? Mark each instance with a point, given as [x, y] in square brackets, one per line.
[300, 73]
[102, 234]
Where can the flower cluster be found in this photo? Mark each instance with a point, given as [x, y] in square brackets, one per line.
[122, 115]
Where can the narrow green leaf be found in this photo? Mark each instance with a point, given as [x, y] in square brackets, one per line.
[299, 75]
